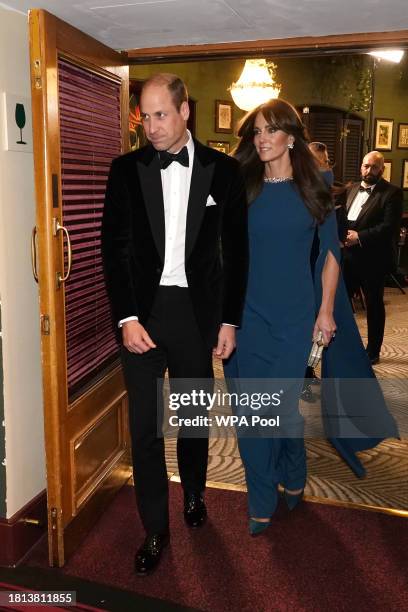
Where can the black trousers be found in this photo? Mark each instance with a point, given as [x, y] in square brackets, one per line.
[182, 350]
[372, 284]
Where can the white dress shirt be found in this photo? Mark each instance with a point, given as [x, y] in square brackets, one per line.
[358, 202]
[176, 180]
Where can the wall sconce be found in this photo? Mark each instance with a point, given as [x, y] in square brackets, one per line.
[391, 55]
[256, 84]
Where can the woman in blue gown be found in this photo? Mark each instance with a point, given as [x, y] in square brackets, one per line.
[289, 198]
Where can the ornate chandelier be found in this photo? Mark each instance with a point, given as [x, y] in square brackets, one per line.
[255, 85]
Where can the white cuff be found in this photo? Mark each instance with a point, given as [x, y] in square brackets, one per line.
[122, 321]
[229, 324]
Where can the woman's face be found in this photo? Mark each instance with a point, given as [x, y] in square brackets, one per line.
[271, 144]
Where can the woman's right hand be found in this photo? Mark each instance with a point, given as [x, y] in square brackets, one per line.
[326, 324]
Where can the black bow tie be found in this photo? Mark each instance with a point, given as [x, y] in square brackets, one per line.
[367, 189]
[166, 158]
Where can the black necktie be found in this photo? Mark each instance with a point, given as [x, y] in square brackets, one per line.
[367, 189]
[166, 158]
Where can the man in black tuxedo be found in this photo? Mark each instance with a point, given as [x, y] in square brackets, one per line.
[374, 210]
[175, 249]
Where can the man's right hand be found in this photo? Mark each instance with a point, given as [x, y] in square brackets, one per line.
[135, 338]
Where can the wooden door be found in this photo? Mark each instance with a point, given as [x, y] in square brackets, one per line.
[80, 122]
[343, 135]
[326, 126]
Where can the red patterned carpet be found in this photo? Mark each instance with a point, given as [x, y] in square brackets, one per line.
[319, 557]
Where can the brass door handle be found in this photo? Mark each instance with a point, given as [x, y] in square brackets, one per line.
[57, 227]
[34, 253]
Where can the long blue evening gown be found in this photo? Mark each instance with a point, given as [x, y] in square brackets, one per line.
[275, 337]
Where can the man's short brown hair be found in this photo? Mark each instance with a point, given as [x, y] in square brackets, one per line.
[175, 85]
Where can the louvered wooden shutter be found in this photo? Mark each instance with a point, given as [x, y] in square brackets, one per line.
[352, 149]
[90, 124]
[327, 128]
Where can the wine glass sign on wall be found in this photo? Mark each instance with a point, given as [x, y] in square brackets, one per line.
[21, 121]
[17, 118]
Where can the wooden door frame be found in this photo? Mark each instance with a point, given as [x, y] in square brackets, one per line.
[51, 38]
[306, 45]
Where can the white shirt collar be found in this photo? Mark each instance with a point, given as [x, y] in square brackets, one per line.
[190, 147]
[189, 144]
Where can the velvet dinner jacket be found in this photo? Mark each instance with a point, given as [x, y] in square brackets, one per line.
[377, 225]
[216, 247]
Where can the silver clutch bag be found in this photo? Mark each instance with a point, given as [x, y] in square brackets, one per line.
[316, 352]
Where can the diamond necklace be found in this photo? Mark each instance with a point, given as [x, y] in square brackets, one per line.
[277, 179]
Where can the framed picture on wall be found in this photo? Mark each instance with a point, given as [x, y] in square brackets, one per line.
[405, 173]
[223, 116]
[387, 170]
[219, 145]
[383, 134]
[402, 142]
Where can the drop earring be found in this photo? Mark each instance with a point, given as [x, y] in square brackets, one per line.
[291, 145]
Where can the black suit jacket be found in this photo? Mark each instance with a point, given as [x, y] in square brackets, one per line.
[378, 226]
[216, 248]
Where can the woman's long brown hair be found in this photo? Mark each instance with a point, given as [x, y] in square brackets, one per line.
[306, 176]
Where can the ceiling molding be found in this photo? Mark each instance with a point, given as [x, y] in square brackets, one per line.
[301, 45]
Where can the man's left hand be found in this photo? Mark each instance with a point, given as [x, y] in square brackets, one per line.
[226, 342]
[352, 238]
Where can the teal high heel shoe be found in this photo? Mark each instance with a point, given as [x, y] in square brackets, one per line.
[292, 500]
[257, 527]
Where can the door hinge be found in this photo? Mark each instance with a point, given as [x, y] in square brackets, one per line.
[45, 325]
[37, 74]
[54, 518]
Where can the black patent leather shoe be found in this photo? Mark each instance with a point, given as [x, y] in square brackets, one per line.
[195, 511]
[148, 556]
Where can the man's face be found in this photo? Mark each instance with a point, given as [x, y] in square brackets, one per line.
[372, 169]
[163, 124]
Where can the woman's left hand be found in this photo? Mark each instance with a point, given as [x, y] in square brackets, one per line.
[327, 325]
